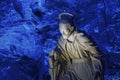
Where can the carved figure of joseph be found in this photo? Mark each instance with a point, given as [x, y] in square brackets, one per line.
[75, 57]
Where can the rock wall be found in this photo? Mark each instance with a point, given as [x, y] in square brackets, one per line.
[30, 28]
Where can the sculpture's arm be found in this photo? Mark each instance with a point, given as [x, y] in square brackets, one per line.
[95, 55]
[87, 45]
[54, 58]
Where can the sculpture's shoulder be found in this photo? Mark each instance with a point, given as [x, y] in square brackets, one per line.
[61, 43]
[61, 40]
[81, 37]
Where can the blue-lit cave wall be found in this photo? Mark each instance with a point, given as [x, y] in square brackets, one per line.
[29, 31]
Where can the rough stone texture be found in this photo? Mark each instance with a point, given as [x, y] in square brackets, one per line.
[29, 31]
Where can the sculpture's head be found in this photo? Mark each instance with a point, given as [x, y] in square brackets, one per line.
[66, 25]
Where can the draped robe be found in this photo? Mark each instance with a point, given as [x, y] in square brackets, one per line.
[74, 60]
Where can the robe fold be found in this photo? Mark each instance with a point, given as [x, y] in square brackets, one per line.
[75, 61]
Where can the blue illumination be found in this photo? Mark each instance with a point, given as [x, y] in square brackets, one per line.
[29, 31]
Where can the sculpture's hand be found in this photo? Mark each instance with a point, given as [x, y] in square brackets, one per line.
[54, 64]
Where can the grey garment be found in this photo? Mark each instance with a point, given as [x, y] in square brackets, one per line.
[80, 69]
[80, 49]
[98, 69]
[85, 70]
[70, 76]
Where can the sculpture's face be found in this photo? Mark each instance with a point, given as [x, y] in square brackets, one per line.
[65, 29]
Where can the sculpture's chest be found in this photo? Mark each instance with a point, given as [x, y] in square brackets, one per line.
[73, 49]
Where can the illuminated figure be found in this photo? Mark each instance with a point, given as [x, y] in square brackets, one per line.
[75, 57]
